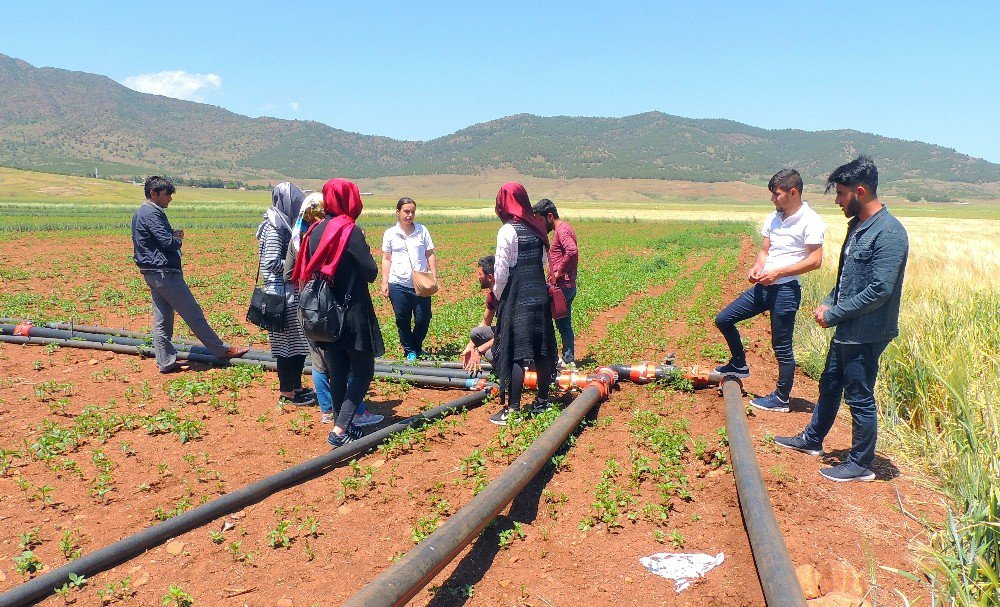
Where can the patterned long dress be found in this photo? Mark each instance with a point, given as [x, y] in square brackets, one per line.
[273, 248]
[524, 317]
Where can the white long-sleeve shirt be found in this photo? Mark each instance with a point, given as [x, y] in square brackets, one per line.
[505, 257]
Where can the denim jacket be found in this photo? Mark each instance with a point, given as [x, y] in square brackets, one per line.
[864, 303]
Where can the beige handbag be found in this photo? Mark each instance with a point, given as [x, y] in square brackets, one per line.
[425, 284]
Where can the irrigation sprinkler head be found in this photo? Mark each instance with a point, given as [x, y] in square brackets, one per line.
[669, 359]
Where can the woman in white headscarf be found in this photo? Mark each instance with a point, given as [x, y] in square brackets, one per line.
[288, 346]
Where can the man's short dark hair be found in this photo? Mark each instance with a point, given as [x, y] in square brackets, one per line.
[786, 179]
[488, 264]
[860, 171]
[159, 184]
[545, 206]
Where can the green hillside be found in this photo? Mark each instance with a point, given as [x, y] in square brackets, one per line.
[68, 122]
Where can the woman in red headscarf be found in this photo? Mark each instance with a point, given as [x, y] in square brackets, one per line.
[335, 249]
[524, 336]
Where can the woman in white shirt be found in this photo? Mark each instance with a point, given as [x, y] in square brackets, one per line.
[407, 246]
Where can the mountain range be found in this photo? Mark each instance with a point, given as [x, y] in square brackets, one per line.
[63, 121]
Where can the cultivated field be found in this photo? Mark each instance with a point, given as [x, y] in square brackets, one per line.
[96, 447]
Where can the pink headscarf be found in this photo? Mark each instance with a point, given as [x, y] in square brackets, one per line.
[342, 203]
[513, 205]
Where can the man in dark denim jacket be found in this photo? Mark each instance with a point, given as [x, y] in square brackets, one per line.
[864, 308]
[156, 249]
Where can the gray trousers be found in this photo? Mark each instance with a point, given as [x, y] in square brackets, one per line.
[171, 294]
[481, 335]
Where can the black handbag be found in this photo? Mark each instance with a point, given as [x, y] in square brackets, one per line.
[267, 310]
[321, 315]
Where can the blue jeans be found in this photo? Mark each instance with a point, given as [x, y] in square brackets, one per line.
[782, 301]
[849, 374]
[565, 325]
[321, 384]
[408, 305]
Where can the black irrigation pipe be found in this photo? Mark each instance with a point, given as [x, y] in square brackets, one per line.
[71, 326]
[117, 553]
[405, 578]
[117, 348]
[78, 331]
[463, 383]
[140, 350]
[434, 371]
[770, 554]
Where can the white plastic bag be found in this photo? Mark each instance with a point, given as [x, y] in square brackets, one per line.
[682, 567]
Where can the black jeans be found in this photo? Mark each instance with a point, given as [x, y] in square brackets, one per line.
[850, 375]
[543, 372]
[343, 363]
[782, 301]
[408, 305]
[290, 372]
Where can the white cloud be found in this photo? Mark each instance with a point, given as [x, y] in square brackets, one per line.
[178, 84]
[294, 105]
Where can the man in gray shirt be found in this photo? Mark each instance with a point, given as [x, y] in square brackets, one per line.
[157, 252]
[864, 308]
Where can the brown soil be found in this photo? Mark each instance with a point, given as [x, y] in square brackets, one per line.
[359, 533]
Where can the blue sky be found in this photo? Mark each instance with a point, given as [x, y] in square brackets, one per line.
[928, 71]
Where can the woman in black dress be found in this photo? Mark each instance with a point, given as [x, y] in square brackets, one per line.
[525, 336]
[335, 249]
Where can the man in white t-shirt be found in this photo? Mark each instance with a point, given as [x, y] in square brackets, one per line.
[793, 245]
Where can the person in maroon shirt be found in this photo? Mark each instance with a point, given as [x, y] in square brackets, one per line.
[564, 257]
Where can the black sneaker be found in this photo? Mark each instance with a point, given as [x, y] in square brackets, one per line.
[352, 434]
[799, 443]
[847, 472]
[500, 417]
[306, 397]
[539, 406]
[730, 369]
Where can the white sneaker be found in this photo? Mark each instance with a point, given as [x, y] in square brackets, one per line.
[367, 419]
[328, 418]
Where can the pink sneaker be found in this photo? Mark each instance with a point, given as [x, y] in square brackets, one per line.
[327, 418]
[367, 419]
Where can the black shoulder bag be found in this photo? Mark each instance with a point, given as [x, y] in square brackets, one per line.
[322, 316]
[267, 310]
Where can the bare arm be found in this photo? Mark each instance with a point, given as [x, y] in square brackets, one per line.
[386, 262]
[754, 274]
[487, 318]
[432, 262]
[813, 261]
